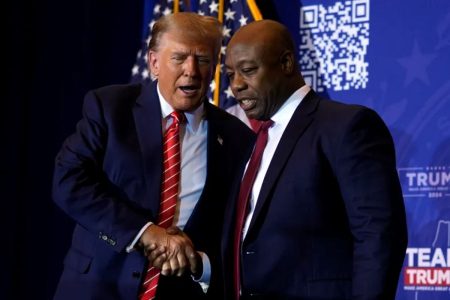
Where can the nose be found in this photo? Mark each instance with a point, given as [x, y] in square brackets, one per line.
[237, 83]
[191, 67]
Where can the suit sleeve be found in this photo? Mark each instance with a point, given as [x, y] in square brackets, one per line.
[366, 171]
[83, 191]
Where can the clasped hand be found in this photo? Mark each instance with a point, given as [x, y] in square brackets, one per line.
[169, 250]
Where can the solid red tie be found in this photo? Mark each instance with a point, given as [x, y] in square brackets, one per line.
[169, 194]
[244, 196]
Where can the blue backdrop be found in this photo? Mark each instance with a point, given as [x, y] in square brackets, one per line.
[393, 56]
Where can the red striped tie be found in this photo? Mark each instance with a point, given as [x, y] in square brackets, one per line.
[244, 196]
[169, 194]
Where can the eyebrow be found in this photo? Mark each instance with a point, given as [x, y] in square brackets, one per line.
[243, 62]
[187, 52]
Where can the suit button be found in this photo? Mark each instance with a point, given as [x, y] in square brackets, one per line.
[136, 274]
[249, 252]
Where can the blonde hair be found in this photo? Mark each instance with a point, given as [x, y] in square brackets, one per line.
[192, 25]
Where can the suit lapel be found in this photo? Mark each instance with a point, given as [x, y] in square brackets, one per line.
[301, 119]
[215, 141]
[147, 116]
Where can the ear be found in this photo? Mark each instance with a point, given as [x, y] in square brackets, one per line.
[153, 62]
[287, 61]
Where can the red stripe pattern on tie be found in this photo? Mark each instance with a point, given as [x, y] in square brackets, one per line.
[243, 200]
[169, 194]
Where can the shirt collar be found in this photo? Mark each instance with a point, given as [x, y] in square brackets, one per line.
[193, 118]
[284, 114]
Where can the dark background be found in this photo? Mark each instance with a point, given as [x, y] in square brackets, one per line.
[55, 52]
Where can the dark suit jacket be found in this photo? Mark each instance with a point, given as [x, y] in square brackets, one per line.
[107, 178]
[329, 221]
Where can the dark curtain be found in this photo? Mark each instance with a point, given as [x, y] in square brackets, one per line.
[55, 52]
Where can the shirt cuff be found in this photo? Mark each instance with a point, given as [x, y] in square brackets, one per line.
[131, 247]
[205, 279]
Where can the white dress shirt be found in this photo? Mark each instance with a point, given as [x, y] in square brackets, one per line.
[193, 137]
[281, 119]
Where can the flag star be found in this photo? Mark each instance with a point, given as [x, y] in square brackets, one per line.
[202, 1]
[416, 65]
[229, 14]
[145, 74]
[157, 9]
[229, 93]
[213, 7]
[201, 13]
[222, 50]
[226, 31]
[139, 54]
[135, 70]
[212, 86]
[243, 20]
[167, 11]
[233, 1]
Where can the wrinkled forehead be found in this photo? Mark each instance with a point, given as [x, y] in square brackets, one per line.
[180, 41]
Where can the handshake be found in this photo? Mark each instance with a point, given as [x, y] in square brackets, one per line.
[171, 251]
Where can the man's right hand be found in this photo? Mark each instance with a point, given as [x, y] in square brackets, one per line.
[170, 250]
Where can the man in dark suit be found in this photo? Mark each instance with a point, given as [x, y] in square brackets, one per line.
[108, 174]
[325, 215]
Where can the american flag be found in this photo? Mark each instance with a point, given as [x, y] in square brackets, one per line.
[232, 14]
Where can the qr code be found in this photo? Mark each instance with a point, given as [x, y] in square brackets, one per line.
[333, 45]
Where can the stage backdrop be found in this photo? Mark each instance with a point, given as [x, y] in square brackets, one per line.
[392, 56]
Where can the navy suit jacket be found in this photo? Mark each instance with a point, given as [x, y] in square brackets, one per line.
[329, 222]
[108, 177]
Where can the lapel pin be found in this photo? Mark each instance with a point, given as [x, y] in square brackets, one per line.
[220, 140]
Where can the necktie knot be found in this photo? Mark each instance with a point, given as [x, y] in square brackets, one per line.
[178, 117]
[265, 125]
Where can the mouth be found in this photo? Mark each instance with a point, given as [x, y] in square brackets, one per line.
[247, 104]
[189, 90]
